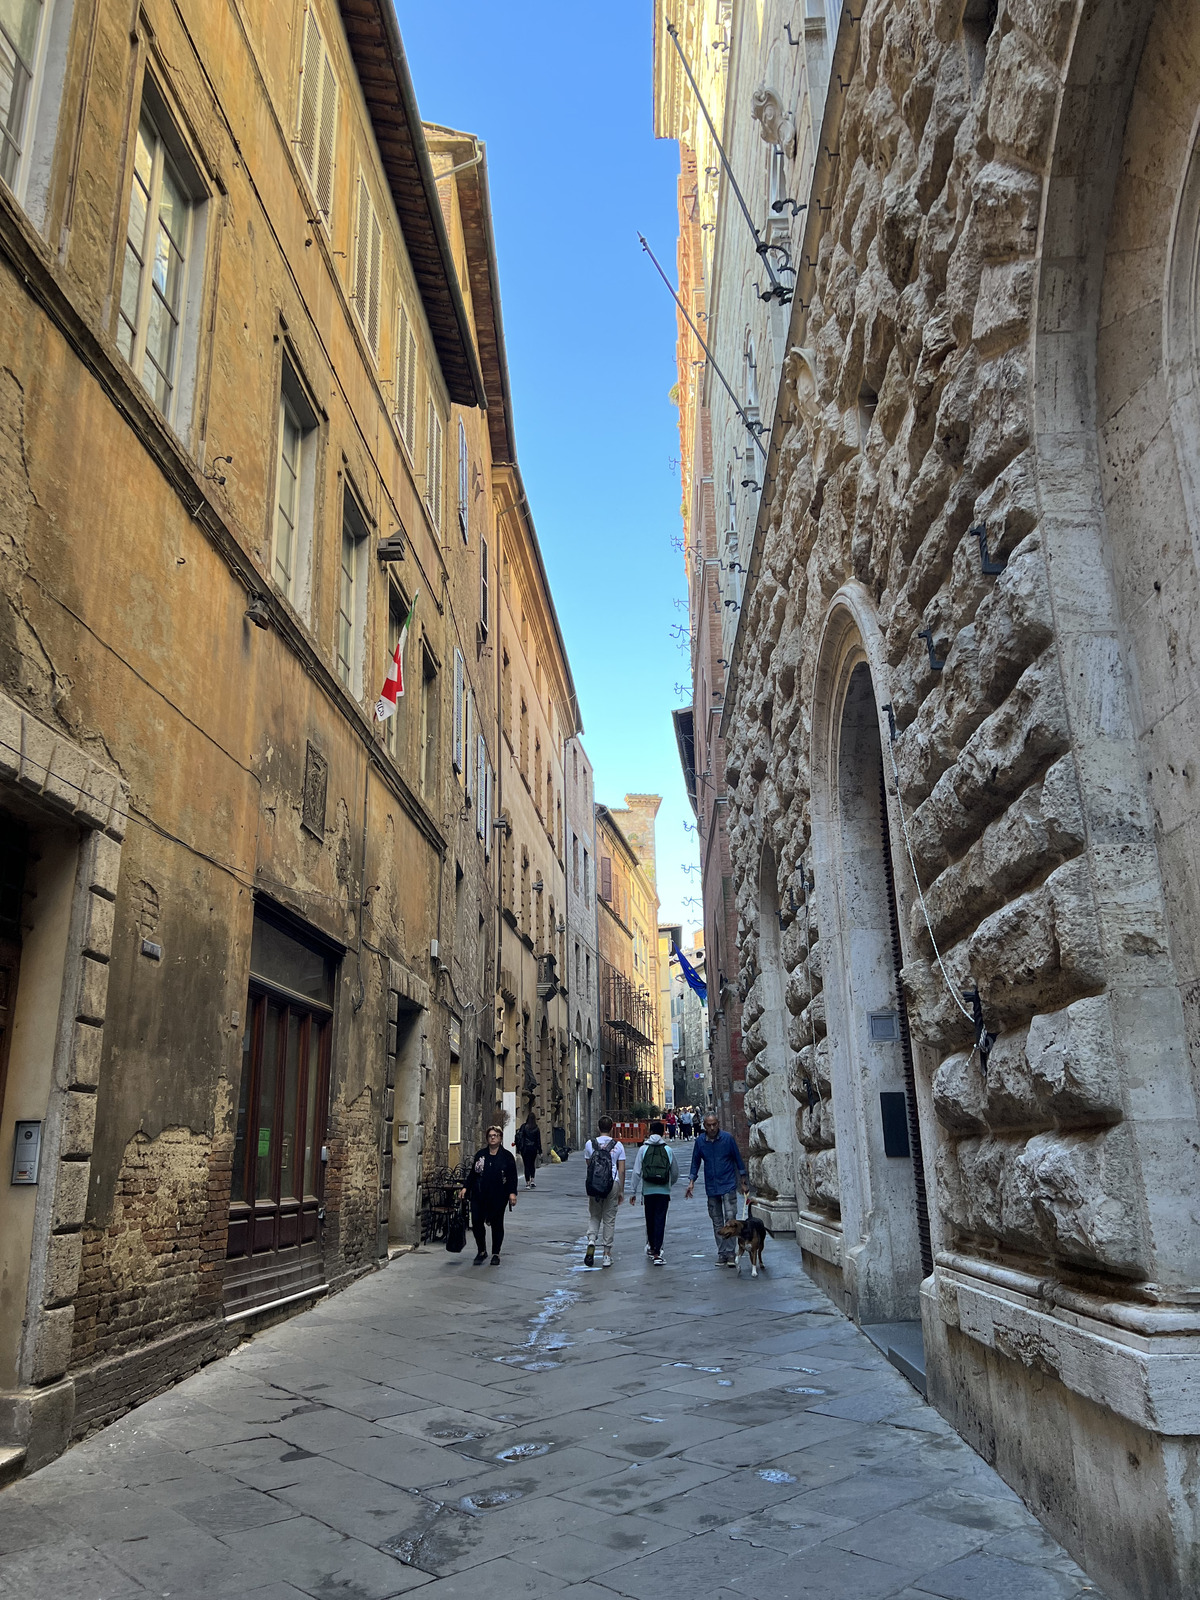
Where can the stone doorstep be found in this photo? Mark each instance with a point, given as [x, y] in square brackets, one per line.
[903, 1343]
[12, 1460]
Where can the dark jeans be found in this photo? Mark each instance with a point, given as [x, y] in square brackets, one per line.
[529, 1157]
[488, 1215]
[655, 1207]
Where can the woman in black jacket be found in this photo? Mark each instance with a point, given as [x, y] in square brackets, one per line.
[492, 1186]
[529, 1147]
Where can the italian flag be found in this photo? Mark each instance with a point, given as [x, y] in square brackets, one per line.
[393, 684]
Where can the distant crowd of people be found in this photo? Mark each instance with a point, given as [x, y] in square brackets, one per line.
[491, 1182]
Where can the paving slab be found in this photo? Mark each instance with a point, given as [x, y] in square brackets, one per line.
[539, 1429]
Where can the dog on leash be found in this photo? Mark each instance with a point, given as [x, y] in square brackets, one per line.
[751, 1236]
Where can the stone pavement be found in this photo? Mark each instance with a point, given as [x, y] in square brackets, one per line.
[535, 1429]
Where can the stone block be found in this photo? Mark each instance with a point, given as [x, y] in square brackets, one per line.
[67, 780]
[1024, 94]
[92, 1001]
[959, 1094]
[10, 738]
[1041, 948]
[79, 1125]
[37, 753]
[52, 1344]
[70, 1195]
[86, 1049]
[63, 1257]
[1079, 1188]
[101, 864]
[1073, 1063]
[98, 917]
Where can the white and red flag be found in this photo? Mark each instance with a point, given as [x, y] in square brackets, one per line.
[393, 684]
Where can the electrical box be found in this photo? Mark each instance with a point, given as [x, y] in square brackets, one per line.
[893, 1108]
[402, 1133]
[27, 1152]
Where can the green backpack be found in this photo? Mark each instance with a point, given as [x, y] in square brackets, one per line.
[656, 1164]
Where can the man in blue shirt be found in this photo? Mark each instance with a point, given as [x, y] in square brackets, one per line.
[724, 1175]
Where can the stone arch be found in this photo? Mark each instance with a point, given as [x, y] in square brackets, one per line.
[886, 1246]
[1116, 188]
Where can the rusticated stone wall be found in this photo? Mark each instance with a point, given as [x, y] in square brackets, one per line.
[995, 331]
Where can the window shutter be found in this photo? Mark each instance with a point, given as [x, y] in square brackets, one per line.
[327, 132]
[458, 710]
[368, 248]
[375, 280]
[433, 467]
[606, 878]
[362, 250]
[311, 71]
[483, 585]
[490, 811]
[454, 1130]
[463, 472]
[469, 742]
[406, 376]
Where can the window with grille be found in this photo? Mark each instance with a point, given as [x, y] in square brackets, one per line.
[433, 466]
[316, 130]
[294, 490]
[406, 378]
[368, 252]
[463, 472]
[158, 246]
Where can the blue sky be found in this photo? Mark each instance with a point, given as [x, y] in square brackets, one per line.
[561, 96]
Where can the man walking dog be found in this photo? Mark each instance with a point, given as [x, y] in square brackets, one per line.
[724, 1175]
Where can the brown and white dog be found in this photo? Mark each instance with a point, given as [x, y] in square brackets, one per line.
[751, 1235]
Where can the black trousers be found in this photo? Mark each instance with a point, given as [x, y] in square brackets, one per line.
[529, 1157]
[487, 1214]
[655, 1207]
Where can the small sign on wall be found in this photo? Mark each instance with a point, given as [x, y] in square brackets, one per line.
[27, 1151]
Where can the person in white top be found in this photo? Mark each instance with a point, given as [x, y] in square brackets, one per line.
[605, 1187]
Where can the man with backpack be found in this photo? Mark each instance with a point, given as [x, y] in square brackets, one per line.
[654, 1171]
[605, 1158]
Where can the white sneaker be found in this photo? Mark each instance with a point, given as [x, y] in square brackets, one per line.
[649, 1252]
[658, 1260]
[607, 1262]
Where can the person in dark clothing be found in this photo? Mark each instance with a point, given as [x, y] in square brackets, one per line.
[529, 1147]
[492, 1187]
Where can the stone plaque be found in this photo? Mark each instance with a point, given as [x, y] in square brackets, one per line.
[316, 782]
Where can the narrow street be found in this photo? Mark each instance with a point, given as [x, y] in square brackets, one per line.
[538, 1429]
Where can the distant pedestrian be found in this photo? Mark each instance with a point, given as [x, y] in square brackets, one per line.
[672, 1124]
[492, 1187]
[605, 1158]
[685, 1122]
[529, 1147]
[655, 1170]
[724, 1175]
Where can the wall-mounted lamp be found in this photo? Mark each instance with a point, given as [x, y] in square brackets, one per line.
[211, 473]
[258, 612]
[537, 886]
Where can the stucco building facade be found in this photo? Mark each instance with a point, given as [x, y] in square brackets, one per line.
[253, 416]
[582, 975]
[958, 735]
[630, 1036]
